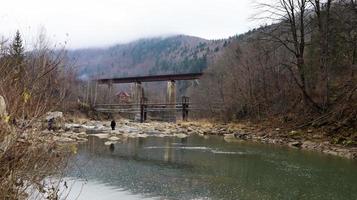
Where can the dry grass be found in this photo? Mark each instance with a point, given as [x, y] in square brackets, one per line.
[26, 158]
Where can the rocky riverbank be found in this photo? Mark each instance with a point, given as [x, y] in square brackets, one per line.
[79, 129]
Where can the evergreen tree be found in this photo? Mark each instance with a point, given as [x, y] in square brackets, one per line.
[17, 54]
[17, 48]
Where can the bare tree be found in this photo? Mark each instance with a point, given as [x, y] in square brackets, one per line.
[322, 10]
[26, 155]
[290, 32]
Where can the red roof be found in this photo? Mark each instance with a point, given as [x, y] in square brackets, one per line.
[122, 94]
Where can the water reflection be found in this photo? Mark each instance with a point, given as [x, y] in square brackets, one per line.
[197, 168]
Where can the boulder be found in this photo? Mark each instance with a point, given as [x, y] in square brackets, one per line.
[242, 136]
[108, 143]
[181, 135]
[54, 115]
[296, 144]
[54, 120]
[102, 136]
[82, 134]
[229, 136]
[143, 135]
[113, 138]
[309, 145]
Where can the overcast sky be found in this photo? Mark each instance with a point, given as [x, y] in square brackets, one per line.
[98, 23]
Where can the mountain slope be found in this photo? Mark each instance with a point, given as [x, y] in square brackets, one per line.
[176, 54]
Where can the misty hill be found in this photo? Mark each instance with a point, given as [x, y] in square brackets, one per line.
[161, 55]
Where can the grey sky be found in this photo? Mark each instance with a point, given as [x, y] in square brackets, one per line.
[90, 23]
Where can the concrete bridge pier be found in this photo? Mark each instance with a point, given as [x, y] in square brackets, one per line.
[138, 95]
[109, 94]
[171, 100]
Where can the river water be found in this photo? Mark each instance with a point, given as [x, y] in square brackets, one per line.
[206, 168]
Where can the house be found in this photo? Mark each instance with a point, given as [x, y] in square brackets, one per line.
[123, 97]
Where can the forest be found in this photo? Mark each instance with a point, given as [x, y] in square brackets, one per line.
[299, 71]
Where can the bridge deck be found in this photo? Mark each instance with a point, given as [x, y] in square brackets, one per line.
[154, 78]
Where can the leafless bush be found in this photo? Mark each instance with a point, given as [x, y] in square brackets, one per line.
[32, 83]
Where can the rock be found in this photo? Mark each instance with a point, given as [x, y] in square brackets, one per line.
[3, 112]
[229, 136]
[69, 135]
[82, 134]
[229, 140]
[54, 115]
[97, 128]
[309, 131]
[331, 152]
[277, 129]
[113, 138]
[161, 135]
[63, 139]
[116, 132]
[308, 145]
[181, 135]
[54, 120]
[143, 135]
[242, 136]
[81, 139]
[108, 143]
[71, 126]
[295, 144]
[79, 130]
[102, 136]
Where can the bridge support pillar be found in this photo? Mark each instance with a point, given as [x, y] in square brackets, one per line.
[171, 101]
[109, 94]
[138, 95]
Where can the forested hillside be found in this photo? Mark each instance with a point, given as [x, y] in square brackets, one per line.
[175, 54]
[300, 70]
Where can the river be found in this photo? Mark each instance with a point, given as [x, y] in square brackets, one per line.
[206, 168]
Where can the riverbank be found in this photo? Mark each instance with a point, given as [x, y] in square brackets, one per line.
[77, 129]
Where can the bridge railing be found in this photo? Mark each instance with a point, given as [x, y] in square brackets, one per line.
[151, 107]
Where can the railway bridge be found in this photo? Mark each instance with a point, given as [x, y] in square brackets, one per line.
[140, 104]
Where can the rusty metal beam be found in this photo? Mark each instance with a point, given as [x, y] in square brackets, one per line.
[154, 78]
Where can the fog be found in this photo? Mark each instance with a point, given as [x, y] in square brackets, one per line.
[93, 23]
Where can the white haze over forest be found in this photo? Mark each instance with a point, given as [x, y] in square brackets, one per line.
[93, 23]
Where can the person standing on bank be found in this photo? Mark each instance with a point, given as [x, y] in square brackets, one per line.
[113, 124]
